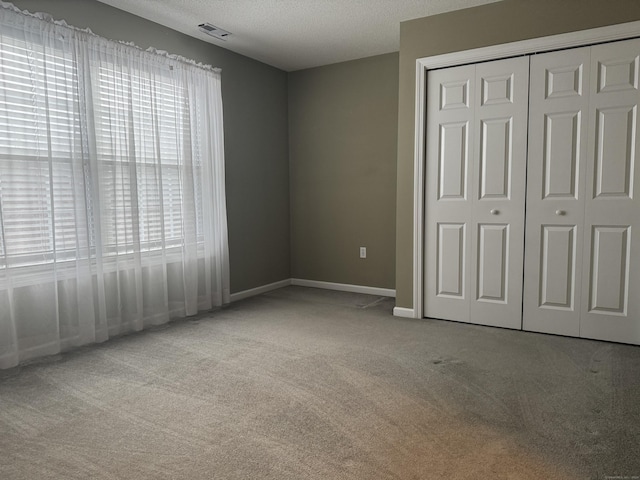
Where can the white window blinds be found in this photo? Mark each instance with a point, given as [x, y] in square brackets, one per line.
[39, 137]
[142, 123]
[142, 133]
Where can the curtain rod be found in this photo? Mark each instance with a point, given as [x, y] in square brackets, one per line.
[45, 17]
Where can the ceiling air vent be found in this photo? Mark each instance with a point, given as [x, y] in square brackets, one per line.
[214, 31]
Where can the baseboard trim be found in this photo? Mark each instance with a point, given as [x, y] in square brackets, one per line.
[404, 312]
[252, 292]
[344, 287]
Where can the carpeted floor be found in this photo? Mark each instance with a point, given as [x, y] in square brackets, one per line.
[310, 384]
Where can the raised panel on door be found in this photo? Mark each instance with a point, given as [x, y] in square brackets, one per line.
[450, 258]
[558, 121]
[450, 103]
[556, 286]
[493, 261]
[498, 192]
[611, 277]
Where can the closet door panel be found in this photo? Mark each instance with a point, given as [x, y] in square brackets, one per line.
[611, 278]
[450, 137]
[474, 196]
[558, 125]
[498, 192]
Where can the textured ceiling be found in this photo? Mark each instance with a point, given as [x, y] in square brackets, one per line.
[295, 34]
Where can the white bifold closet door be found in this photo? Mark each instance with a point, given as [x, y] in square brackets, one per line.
[557, 167]
[475, 192]
[583, 255]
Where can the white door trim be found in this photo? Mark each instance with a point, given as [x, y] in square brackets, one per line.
[423, 65]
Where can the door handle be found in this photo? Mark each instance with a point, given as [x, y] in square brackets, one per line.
[494, 211]
[560, 213]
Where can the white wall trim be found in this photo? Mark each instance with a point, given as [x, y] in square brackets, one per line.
[535, 45]
[258, 290]
[344, 287]
[418, 188]
[383, 292]
[404, 312]
[423, 65]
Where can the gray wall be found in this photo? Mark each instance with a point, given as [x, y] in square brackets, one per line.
[496, 23]
[254, 96]
[343, 146]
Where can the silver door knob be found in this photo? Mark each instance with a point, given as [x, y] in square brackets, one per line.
[494, 211]
[560, 212]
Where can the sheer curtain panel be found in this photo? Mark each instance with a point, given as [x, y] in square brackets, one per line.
[112, 199]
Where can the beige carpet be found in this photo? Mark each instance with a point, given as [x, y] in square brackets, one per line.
[310, 384]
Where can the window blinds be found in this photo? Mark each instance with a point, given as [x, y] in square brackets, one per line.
[141, 147]
[39, 135]
[142, 132]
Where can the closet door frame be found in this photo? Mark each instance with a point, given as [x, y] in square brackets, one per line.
[581, 38]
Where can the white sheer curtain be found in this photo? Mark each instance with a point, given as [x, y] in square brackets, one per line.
[112, 200]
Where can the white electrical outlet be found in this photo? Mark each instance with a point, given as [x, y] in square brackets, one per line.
[363, 252]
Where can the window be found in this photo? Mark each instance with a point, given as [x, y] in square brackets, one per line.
[142, 130]
[39, 136]
[142, 133]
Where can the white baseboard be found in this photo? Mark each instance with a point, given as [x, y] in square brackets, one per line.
[258, 290]
[404, 312]
[344, 287]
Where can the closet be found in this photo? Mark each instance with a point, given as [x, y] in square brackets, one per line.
[530, 208]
